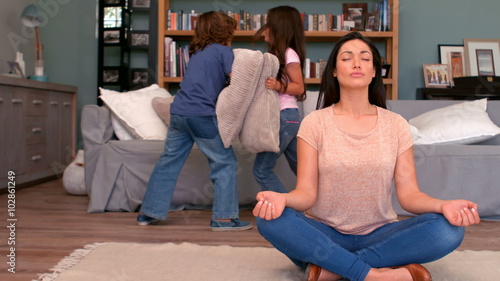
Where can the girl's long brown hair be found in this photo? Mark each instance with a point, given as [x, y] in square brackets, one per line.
[212, 27]
[286, 31]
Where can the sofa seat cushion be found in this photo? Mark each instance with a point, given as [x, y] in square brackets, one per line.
[124, 167]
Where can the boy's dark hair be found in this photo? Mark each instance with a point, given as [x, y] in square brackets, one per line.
[212, 27]
[329, 90]
[287, 31]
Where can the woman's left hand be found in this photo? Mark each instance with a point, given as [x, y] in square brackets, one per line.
[460, 212]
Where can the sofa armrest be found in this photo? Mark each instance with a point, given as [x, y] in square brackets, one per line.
[96, 131]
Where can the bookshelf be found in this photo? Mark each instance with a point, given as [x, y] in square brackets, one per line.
[388, 38]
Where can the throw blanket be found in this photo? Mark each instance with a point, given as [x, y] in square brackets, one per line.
[246, 108]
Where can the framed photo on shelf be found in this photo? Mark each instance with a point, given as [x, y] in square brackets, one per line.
[436, 75]
[140, 4]
[111, 36]
[371, 21]
[139, 38]
[454, 57]
[352, 10]
[482, 57]
[139, 78]
[111, 75]
[385, 70]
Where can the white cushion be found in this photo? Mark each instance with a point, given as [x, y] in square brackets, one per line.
[464, 123]
[309, 105]
[134, 112]
[415, 133]
[73, 178]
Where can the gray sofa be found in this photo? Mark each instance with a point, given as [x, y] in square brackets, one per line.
[452, 171]
[117, 172]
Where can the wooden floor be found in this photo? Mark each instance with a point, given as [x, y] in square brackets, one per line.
[51, 224]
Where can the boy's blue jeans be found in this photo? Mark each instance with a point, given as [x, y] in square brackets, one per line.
[421, 239]
[182, 133]
[265, 161]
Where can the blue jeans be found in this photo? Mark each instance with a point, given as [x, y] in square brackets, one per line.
[265, 161]
[421, 239]
[182, 133]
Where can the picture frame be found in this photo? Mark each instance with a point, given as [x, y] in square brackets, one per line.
[385, 70]
[371, 21]
[351, 10]
[482, 57]
[454, 57]
[139, 78]
[114, 2]
[139, 39]
[111, 75]
[485, 62]
[436, 75]
[140, 4]
[111, 36]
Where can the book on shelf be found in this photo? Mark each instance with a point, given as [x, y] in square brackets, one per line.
[314, 69]
[178, 20]
[176, 58]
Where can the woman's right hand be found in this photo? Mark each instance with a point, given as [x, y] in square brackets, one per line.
[270, 205]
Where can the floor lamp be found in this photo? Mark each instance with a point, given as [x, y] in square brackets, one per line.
[32, 17]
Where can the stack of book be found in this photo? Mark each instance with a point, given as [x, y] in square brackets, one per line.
[176, 58]
[314, 69]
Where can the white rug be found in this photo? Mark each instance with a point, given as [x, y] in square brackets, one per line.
[151, 262]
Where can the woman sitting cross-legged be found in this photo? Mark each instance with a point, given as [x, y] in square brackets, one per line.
[339, 222]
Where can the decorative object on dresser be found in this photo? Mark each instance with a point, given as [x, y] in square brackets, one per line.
[38, 125]
[33, 17]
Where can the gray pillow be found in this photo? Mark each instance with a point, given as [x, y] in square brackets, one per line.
[162, 108]
[235, 99]
[260, 130]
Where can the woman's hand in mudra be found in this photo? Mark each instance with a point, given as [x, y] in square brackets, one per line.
[460, 212]
[270, 205]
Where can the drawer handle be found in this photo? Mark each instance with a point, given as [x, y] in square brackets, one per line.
[17, 101]
[54, 103]
[36, 130]
[67, 103]
[36, 157]
[37, 102]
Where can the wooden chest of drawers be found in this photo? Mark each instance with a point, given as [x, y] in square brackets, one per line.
[38, 129]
